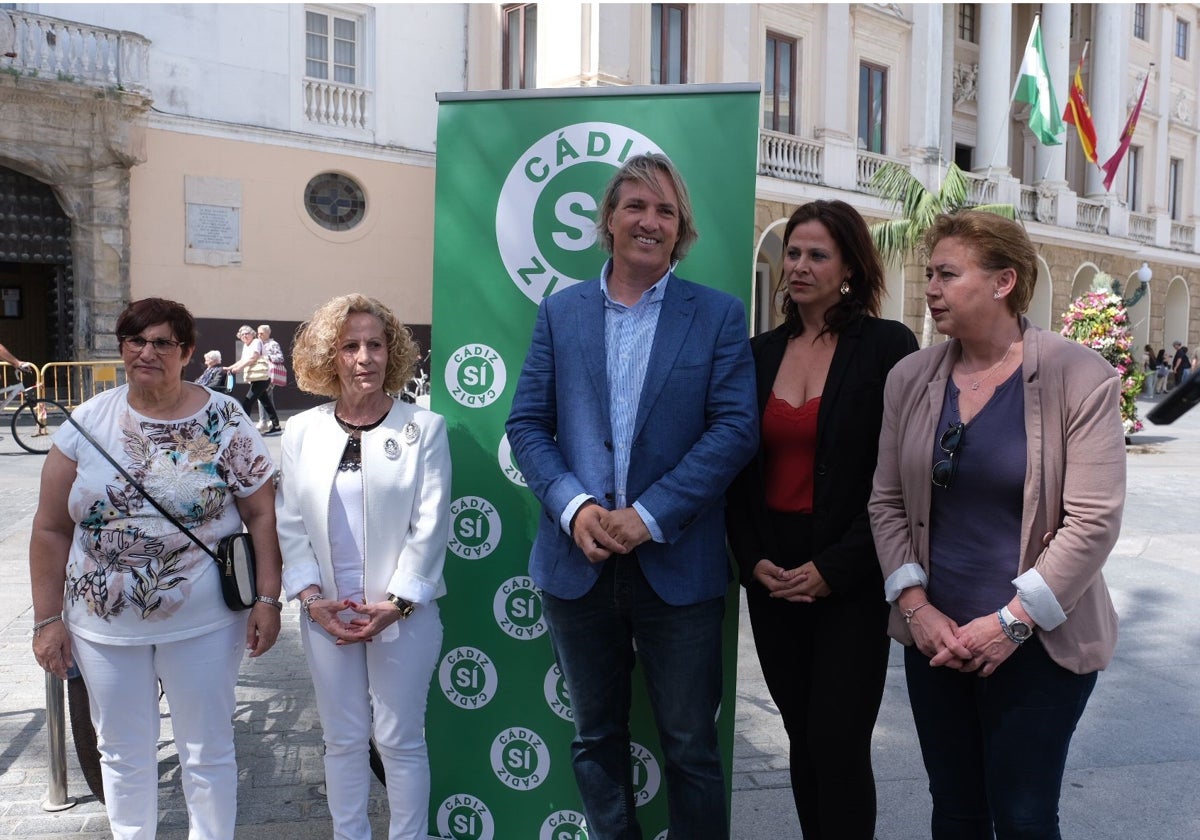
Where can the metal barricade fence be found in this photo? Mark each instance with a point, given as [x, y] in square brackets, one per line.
[69, 383]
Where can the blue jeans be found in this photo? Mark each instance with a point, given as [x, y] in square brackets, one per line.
[995, 747]
[680, 653]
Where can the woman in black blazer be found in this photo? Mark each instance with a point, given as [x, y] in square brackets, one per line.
[797, 515]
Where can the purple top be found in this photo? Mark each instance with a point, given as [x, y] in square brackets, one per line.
[975, 524]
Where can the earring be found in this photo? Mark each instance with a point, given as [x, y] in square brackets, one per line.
[996, 295]
[844, 288]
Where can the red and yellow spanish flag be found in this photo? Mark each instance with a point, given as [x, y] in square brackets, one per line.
[1079, 114]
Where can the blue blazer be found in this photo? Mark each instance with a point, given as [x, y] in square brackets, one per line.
[696, 427]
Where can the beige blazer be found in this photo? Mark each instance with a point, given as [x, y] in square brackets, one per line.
[1074, 482]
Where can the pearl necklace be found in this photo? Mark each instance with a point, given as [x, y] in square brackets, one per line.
[975, 385]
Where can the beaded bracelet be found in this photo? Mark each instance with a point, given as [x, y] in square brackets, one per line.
[46, 622]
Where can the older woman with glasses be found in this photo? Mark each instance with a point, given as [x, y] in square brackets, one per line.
[120, 591]
[997, 500]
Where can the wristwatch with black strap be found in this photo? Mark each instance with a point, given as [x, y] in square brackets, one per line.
[406, 607]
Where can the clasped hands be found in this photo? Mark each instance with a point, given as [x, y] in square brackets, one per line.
[601, 533]
[371, 619]
[801, 585]
[979, 645]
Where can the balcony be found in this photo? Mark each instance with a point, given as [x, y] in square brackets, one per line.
[56, 49]
[789, 158]
[335, 104]
[1141, 228]
[868, 164]
[1091, 216]
[1183, 237]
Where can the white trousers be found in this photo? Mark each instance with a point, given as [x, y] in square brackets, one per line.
[198, 676]
[378, 687]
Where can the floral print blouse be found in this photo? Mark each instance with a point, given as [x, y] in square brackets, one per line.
[132, 577]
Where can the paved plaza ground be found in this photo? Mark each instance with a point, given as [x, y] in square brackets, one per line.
[1133, 774]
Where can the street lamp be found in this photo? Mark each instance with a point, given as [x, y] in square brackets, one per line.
[1143, 275]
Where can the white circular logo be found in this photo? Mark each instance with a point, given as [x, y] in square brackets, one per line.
[564, 825]
[474, 527]
[647, 775]
[468, 679]
[546, 214]
[662, 835]
[475, 375]
[520, 758]
[554, 689]
[507, 465]
[465, 817]
[517, 607]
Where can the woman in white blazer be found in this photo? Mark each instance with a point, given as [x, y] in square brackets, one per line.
[363, 519]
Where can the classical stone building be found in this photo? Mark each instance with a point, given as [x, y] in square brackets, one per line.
[253, 159]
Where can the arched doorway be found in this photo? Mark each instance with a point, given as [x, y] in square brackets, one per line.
[37, 306]
[1177, 311]
[1040, 312]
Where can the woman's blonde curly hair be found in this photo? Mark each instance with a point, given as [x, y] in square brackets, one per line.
[316, 345]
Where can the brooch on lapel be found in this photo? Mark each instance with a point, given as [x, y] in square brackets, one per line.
[391, 448]
[411, 432]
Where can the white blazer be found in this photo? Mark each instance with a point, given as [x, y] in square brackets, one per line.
[406, 481]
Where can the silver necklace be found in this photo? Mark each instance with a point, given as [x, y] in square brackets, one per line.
[975, 385]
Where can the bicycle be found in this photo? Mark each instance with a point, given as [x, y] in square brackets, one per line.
[34, 422]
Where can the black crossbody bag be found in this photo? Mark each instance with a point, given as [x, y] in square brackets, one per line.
[234, 555]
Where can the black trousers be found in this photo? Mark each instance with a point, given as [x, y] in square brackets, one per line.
[258, 393]
[825, 665]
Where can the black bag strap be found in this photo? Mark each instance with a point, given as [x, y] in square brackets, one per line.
[136, 486]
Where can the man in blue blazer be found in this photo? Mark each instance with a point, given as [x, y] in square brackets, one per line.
[634, 411]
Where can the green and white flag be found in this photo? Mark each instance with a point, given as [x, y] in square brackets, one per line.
[1033, 87]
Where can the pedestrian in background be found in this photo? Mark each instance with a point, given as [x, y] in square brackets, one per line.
[797, 515]
[278, 370]
[997, 500]
[213, 375]
[256, 371]
[1181, 365]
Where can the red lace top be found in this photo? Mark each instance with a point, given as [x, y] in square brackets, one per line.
[789, 437]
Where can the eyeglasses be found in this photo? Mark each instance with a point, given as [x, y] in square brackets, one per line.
[944, 470]
[162, 346]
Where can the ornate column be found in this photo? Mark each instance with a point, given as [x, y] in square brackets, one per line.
[995, 87]
[835, 128]
[924, 94]
[1050, 162]
[1110, 38]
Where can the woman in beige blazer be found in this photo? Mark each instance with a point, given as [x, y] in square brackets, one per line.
[997, 499]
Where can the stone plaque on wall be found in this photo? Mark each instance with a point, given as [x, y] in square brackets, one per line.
[214, 221]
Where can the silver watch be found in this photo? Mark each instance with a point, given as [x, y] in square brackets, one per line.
[1017, 631]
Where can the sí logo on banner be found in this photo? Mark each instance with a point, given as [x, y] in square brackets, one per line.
[520, 758]
[507, 465]
[475, 375]
[554, 689]
[547, 211]
[564, 825]
[465, 817]
[474, 527]
[468, 678]
[517, 607]
[647, 775]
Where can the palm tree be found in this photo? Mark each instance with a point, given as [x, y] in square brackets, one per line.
[898, 239]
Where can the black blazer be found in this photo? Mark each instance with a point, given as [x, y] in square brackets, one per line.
[848, 425]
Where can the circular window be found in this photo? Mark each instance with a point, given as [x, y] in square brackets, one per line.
[334, 201]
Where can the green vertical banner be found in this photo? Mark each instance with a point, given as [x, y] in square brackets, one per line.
[519, 177]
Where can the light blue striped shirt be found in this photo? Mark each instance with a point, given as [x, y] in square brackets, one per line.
[628, 336]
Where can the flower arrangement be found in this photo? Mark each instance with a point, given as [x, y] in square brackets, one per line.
[1098, 320]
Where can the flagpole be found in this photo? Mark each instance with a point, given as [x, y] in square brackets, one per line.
[1012, 96]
